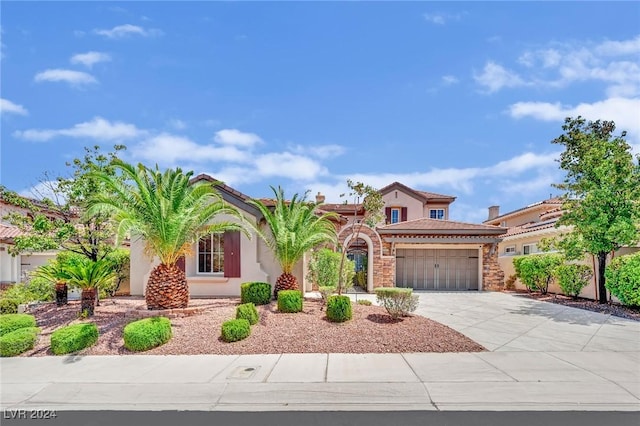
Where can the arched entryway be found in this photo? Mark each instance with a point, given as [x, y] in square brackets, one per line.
[368, 245]
[358, 252]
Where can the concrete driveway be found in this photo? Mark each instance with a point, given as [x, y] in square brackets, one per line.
[509, 322]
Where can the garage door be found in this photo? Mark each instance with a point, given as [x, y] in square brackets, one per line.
[437, 269]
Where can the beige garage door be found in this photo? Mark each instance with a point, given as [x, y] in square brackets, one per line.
[437, 269]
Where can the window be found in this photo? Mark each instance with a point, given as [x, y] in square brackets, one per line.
[436, 214]
[510, 250]
[529, 248]
[211, 254]
[395, 215]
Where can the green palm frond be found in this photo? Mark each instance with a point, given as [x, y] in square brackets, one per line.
[164, 208]
[89, 274]
[294, 227]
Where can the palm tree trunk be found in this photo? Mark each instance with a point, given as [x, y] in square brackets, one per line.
[167, 288]
[87, 301]
[285, 282]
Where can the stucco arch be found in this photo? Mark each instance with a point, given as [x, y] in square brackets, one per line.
[374, 248]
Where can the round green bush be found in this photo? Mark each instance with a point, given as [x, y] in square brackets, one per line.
[623, 279]
[236, 329]
[290, 301]
[572, 278]
[249, 312]
[12, 322]
[255, 292]
[18, 341]
[73, 338]
[9, 306]
[147, 333]
[364, 302]
[339, 308]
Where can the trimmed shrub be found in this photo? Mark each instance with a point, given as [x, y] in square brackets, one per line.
[339, 308]
[235, 330]
[536, 271]
[364, 302]
[13, 322]
[247, 311]
[255, 292]
[397, 301]
[147, 333]
[623, 279]
[18, 341]
[290, 301]
[9, 306]
[73, 338]
[324, 269]
[572, 278]
[325, 292]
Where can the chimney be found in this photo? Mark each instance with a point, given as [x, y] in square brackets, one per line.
[319, 198]
[494, 211]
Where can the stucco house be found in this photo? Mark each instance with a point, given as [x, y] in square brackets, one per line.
[14, 269]
[417, 247]
[526, 227]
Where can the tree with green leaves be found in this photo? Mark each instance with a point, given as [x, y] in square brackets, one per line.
[602, 194]
[294, 228]
[368, 199]
[170, 213]
[57, 218]
[536, 271]
[90, 277]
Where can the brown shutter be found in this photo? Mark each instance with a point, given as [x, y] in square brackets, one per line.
[403, 214]
[180, 263]
[387, 213]
[232, 254]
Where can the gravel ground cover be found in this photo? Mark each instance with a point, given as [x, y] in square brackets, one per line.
[370, 331]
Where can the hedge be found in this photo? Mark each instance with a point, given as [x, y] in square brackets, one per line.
[290, 301]
[623, 278]
[339, 308]
[147, 333]
[236, 329]
[257, 293]
[247, 311]
[73, 338]
[13, 322]
[18, 341]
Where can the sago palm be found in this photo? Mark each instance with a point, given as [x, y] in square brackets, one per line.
[170, 213]
[295, 228]
[90, 277]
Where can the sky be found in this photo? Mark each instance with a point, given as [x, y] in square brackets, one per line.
[458, 98]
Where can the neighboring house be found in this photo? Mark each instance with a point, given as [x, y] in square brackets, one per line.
[527, 226]
[417, 247]
[14, 269]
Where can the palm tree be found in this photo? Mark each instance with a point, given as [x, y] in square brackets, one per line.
[55, 273]
[295, 228]
[170, 213]
[90, 276]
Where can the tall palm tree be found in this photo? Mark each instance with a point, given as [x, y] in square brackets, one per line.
[90, 276]
[170, 213]
[295, 228]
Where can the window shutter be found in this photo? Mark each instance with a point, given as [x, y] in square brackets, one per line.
[232, 254]
[387, 213]
[403, 214]
[181, 264]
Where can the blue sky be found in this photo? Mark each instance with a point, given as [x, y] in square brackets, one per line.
[456, 98]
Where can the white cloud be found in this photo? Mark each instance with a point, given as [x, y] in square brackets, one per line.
[495, 77]
[8, 107]
[44, 189]
[127, 30]
[449, 80]
[170, 150]
[441, 18]
[90, 58]
[177, 124]
[97, 129]
[320, 151]
[75, 78]
[297, 166]
[237, 138]
[619, 48]
[624, 112]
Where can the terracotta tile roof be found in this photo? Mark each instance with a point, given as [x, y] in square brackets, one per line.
[422, 195]
[531, 227]
[425, 226]
[555, 201]
[342, 208]
[8, 232]
[432, 195]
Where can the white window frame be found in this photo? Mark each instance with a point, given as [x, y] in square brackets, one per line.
[213, 253]
[436, 214]
[510, 250]
[531, 248]
[397, 214]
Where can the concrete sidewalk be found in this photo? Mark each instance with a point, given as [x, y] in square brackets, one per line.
[543, 357]
[452, 381]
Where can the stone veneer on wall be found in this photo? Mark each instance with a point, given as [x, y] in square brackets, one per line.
[384, 263]
[492, 274]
